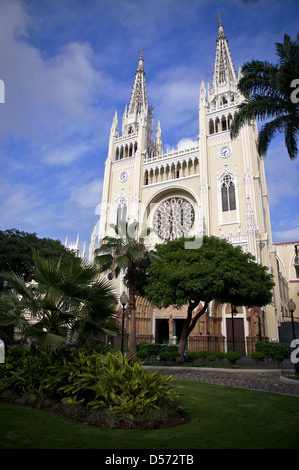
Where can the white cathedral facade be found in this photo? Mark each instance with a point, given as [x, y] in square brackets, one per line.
[216, 188]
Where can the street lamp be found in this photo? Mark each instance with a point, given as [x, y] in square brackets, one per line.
[234, 312]
[123, 300]
[259, 324]
[292, 308]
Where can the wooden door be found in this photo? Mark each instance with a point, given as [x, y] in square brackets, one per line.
[235, 337]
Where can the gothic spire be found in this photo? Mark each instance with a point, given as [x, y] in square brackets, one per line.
[114, 127]
[138, 102]
[224, 73]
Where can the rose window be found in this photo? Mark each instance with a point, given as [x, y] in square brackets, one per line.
[174, 218]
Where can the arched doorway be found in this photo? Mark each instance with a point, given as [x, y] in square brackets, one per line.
[235, 329]
[162, 330]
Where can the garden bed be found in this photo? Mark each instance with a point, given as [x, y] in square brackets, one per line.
[105, 419]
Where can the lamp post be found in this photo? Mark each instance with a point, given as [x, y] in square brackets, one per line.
[259, 324]
[123, 300]
[292, 308]
[234, 311]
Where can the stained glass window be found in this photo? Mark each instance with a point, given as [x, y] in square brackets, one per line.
[228, 195]
[174, 218]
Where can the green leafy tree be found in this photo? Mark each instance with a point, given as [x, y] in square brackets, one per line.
[271, 93]
[16, 251]
[215, 271]
[62, 303]
[126, 253]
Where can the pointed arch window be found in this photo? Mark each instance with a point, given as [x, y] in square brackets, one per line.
[121, 209]
[228, 194]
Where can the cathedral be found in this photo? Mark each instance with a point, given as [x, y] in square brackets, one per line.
[217, 188]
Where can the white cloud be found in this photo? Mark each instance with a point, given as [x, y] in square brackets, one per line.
[280, 236]
[186, 143]
[87, 195]
[48, 100]
[25, 206]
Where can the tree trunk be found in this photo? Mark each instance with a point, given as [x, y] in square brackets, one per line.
[132, 336]
[183, 340]
[132, 311]
[188, 326]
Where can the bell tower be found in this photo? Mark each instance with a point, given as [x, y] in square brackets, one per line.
[123, 179]
[232, 180]
[233, 188]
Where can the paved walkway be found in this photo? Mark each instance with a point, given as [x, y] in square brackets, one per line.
[267, 380]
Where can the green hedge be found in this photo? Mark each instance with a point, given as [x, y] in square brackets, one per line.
[274, 352]
[154, 351]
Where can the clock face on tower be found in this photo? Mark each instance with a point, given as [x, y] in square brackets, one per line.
[123, 176]
[225, 151]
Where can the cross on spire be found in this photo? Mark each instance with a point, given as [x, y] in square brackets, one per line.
[219, 17]
[141, 50]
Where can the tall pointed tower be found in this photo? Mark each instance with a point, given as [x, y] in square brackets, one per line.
[232, 178]
[216, 188]
[232, 174]
[122, 191]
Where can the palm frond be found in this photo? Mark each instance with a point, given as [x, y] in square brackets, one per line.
[267, 133]
[257, 107]
[46, 340]
[257, 78]
[291, 138]
[17, 282]
[46, 270]
[105, 261]
[267, 89]
[12, 318]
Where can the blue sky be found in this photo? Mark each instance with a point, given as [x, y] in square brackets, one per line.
[68, 65]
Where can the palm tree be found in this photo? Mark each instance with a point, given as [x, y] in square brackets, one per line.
[269, 94]
[61, 303]
[126, 252]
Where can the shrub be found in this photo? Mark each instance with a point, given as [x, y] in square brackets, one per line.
[220, 355]
[203, 354]
[192, 355]
[232, 357]
[170, 348]
[94, 381]
[169, 352]
[149, 350]
[279, 358]
[271, 350]
[142, 354]
[257, 357]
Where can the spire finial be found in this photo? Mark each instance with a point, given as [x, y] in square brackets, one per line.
[140, 64]
[219, 18]
[138, 97]
[220, 27]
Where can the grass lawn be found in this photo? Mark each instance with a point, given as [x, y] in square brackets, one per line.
[222, 418]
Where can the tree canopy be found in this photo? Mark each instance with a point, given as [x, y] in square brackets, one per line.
[215, 271]
[16, 251]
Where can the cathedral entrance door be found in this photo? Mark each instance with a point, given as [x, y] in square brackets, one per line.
[235, 337]
[162, 330]
[179, 322]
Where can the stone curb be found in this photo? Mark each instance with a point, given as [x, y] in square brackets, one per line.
[289, 381]
[265, 380]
